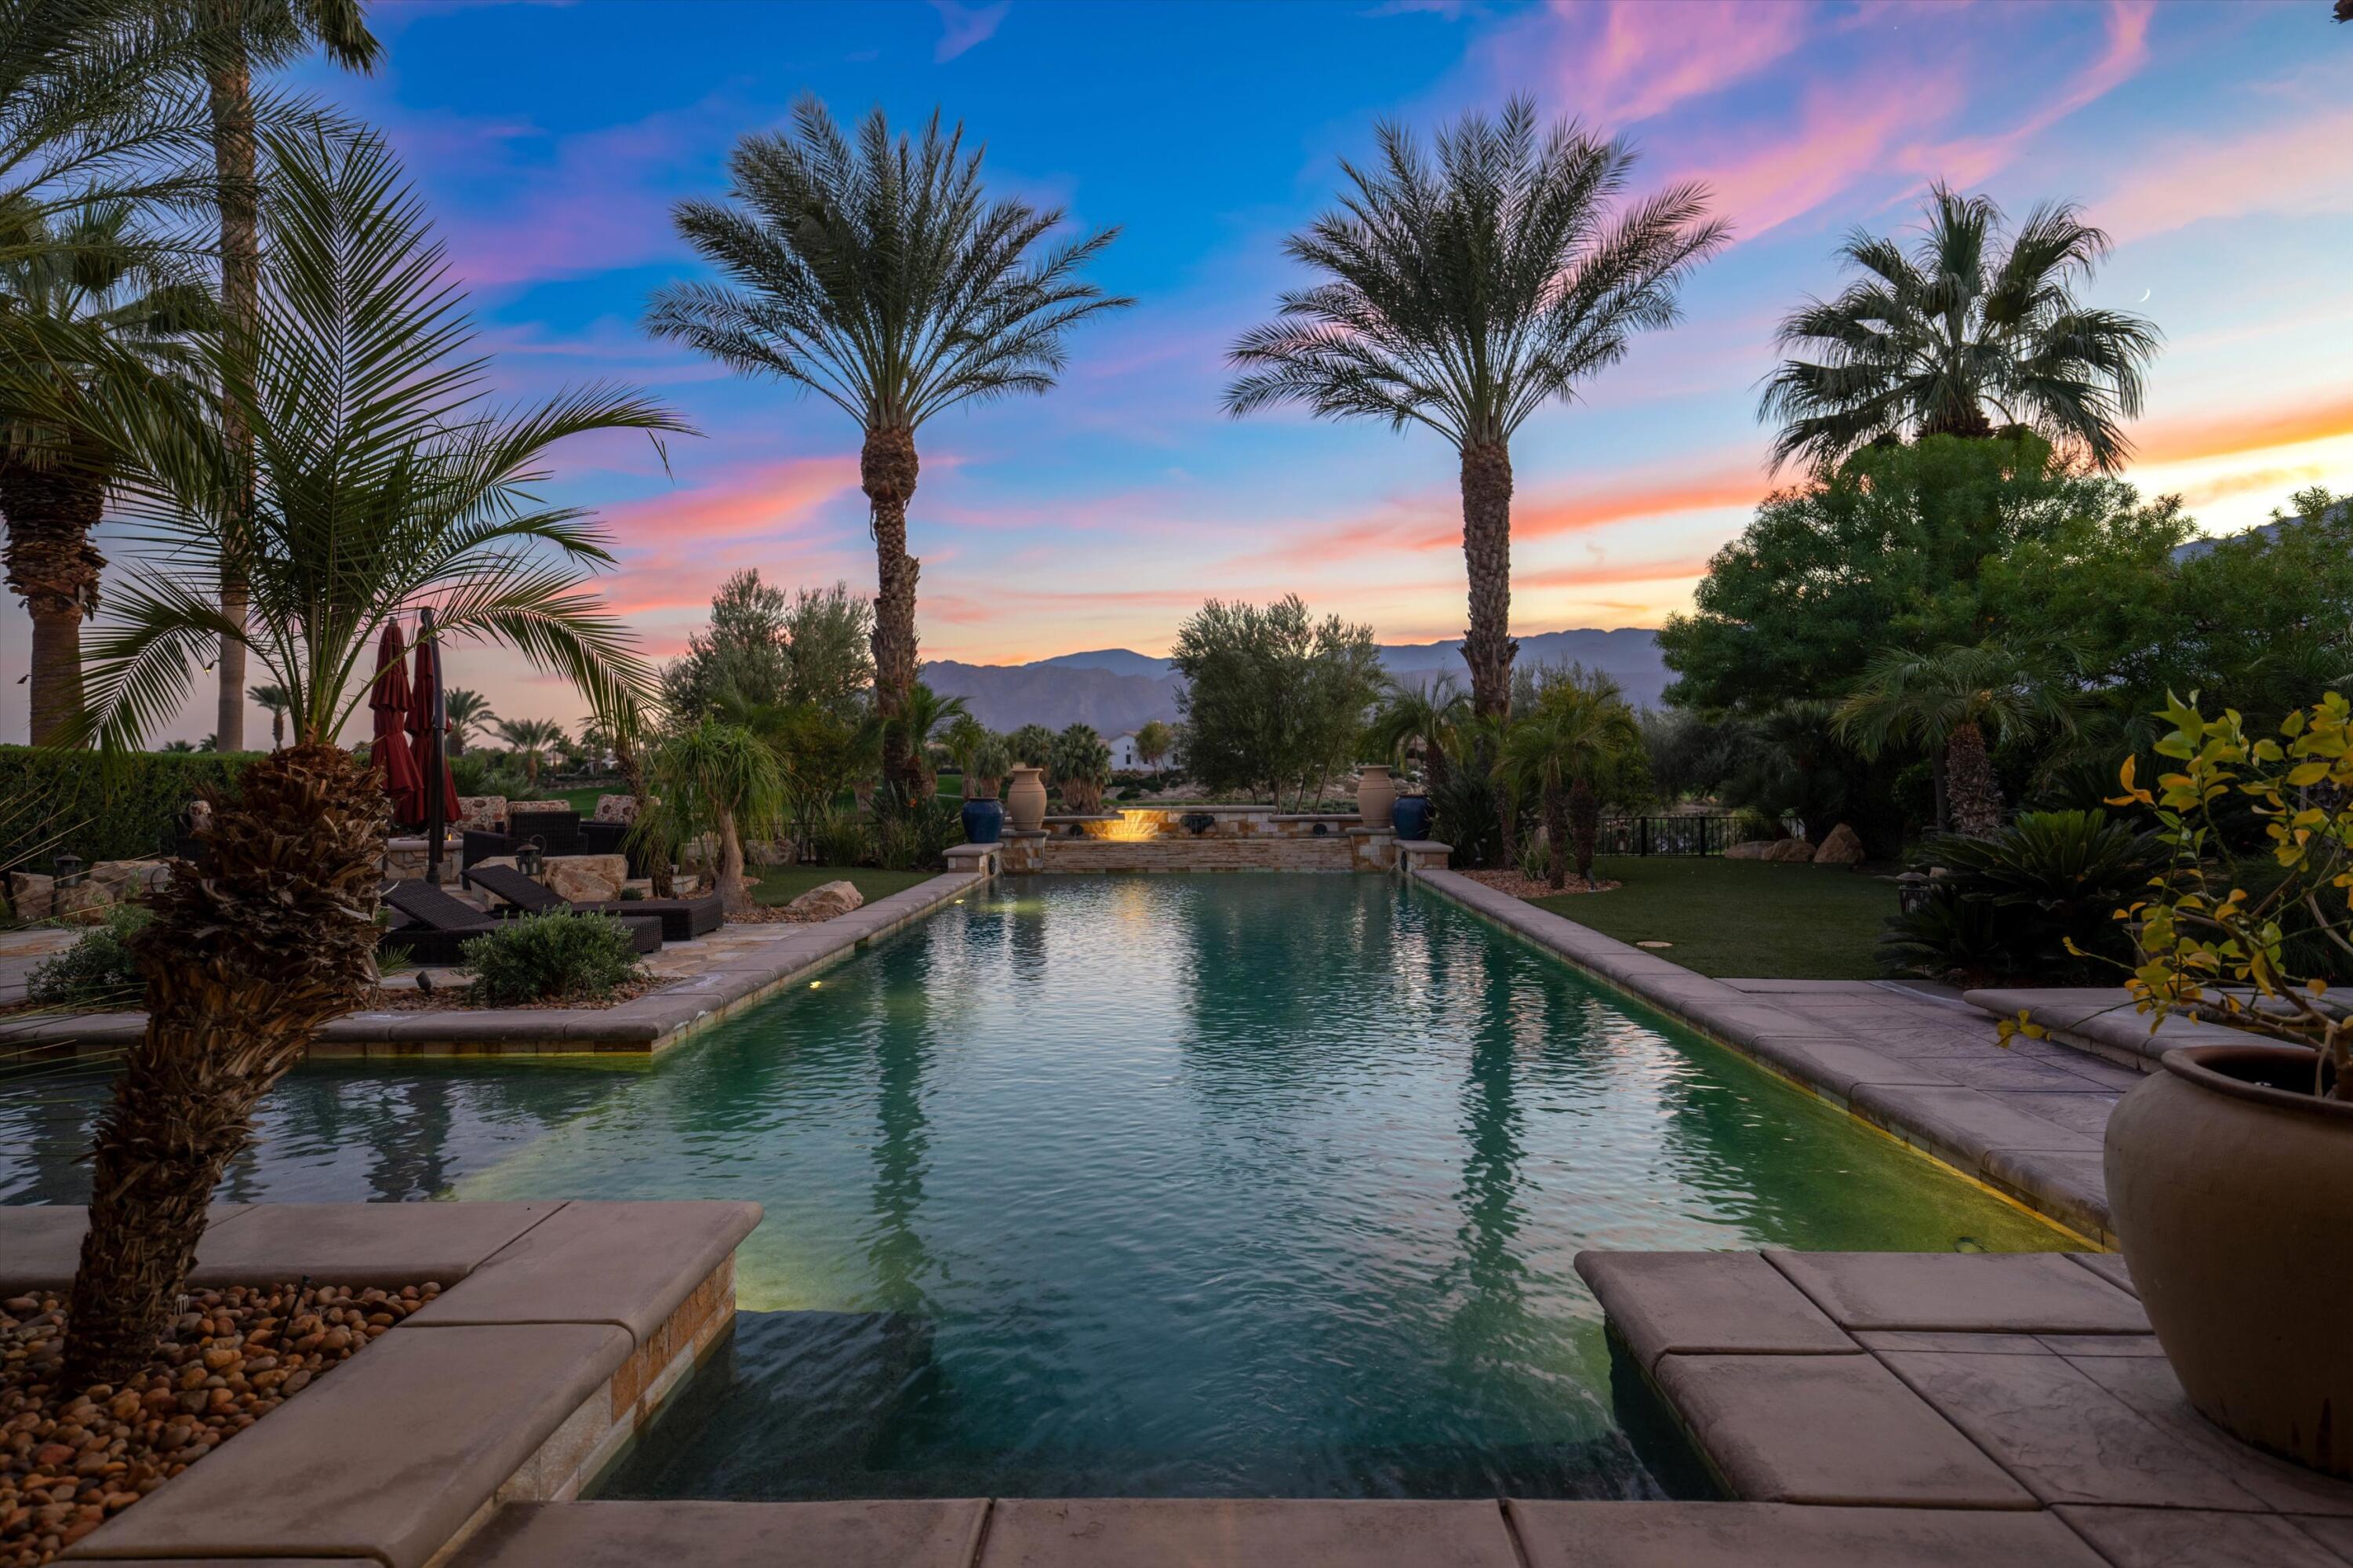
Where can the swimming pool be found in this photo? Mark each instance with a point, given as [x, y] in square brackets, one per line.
[1241, 1185]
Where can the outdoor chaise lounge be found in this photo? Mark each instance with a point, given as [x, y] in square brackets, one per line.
[682, 919]
[437, 925]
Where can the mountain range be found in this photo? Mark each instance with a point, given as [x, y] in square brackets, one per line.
[1117, 690]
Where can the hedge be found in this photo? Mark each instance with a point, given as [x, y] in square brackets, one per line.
[126, 810]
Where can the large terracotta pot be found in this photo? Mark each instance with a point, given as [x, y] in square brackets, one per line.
[2229, 1183]
[1025, 800]
[1375, 795]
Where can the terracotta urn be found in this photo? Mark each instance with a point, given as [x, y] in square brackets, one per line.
[2227, 1180]
[1025, 800]
[1375, 795]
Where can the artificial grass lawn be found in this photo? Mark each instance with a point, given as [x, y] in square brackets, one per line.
[782, 883]
[1740, 919]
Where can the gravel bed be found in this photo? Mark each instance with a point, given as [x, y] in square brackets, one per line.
[68, 1462]
[1519, 886]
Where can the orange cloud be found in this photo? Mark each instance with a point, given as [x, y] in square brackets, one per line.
[2187, 439]
[1600, 574]
[736, 504]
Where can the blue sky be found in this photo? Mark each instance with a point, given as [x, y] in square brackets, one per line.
[2216, 142]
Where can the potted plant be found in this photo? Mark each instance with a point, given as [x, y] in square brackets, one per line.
[985, 766]
[2227, 1171]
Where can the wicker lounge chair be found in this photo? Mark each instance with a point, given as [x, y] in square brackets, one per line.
[682, 919]
[438, 926]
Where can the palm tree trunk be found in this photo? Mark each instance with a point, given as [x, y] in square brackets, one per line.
[242, 964]
[1975, 795]
[1488, 647]
[230, 83]
[887, 470]
[1557, 830]
[732, 894]
[1507, 825]
[51, 563]
[1584, 826]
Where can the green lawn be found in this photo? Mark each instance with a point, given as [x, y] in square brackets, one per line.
[1740, 917]
[782, 883]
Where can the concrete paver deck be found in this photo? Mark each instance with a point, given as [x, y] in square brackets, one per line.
[2038, 1366]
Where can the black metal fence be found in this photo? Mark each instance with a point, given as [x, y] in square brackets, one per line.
[1680, 835]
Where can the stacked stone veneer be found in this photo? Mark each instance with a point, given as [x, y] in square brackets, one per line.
[1237, 838]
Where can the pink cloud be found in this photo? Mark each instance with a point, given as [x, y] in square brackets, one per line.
[2301, 166]
[1651, 57]
[1970, 161]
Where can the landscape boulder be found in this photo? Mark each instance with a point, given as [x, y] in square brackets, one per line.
[1843, 847]
[1789, 852]
[86, 902]
[130, 878]
[824, 902]
[586, 878]
[29, 894]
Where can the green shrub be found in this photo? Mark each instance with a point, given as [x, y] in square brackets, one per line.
[127, 810]
[917, 839]
[555, 957]
[2047, 880]
[840, 838]
[98, 971]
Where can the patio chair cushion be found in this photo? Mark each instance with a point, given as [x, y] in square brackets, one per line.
[482, 811]
[617, 808]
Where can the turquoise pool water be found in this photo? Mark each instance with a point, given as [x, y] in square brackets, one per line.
[1242, 1184]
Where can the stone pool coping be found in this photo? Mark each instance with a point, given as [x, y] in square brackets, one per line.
[563, 1328]
[1961, 1387]
[2027, 1159]
[749, 970]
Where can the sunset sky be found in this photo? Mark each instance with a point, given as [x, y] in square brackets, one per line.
[2214, 142]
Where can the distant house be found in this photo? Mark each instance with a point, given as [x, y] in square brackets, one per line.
[1123, 752]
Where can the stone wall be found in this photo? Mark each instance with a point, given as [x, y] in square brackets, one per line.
[1244, 840]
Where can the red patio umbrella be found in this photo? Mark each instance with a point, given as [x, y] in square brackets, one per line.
[423, 704]
[389, 702]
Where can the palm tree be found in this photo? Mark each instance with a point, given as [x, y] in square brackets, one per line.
[530, 738]
[878, 276]
[273, 701]
[1570, 739]
[1428, 719]
[1945, 703]
[467, 710]
[926, 713]
[235, 37]
[1465, 298]
[1081, 767]
[1974, 318]
[382, 486]
[103, 301]
[720, 778]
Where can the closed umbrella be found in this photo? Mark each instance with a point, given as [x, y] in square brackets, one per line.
[389, 703]
[423, 721]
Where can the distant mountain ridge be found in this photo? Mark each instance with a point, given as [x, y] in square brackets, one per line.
[1117, 690]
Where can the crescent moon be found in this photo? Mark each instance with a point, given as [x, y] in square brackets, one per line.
[2145, 293]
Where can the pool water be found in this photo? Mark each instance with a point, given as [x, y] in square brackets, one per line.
[1215, 1186]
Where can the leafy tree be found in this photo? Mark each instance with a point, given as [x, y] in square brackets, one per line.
[878, 276]
[467, 711]
[531, 741]
[1419, 720]
[1896, 549]
[822, 754]
[1274, 701]
[105, 303]
[1975, 318]
[985, 767]
[1154, 742]
[1082, 767]
[765, 646]
[1946, 701]
[1564, 750]
[723, 780]
[1466, 296]
[381, 485]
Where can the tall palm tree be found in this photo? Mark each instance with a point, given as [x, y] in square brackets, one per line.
[720, 778]
[103, 301]
[273, 701]
[238, 37]
[878, 276]
[531, 740]
[1466, 296]
[1944, 702]
[1973, 320]
[1562, 749]
[467, 710]
[1424, 719]
[382, 484]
